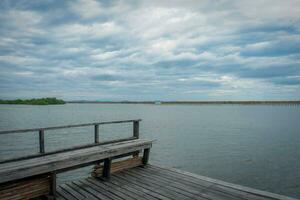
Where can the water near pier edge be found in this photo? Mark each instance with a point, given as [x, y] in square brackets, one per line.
[251, 145]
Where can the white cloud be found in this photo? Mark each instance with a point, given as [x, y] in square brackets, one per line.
[20, 60]
[24, 18]
[105, 55]
[163, 46]
[24, 74]
[85, 31]
[87, 8]
[269, 9]
[258, 46]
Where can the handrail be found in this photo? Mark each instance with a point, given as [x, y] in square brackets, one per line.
[41, 132]
[68, 126]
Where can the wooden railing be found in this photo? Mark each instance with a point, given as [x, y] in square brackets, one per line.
[42, 131]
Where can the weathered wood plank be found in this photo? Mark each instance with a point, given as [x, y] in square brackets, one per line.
[117, 166]
[183, 187]
[68, 188]
[198, 186]
[136, 188]
[238, 193]
[170, 185]
[111, 188]
[230, 185]
[77, 147]
[125, 189]
[91, 188]
[164, 191]
[199, 183]
[80, 188]
[176, 183]
[11, 165]
[64, 160]
[72, 192]
[25, 189]
[103, 190]
[61, 155]
[152, 183]
[178, 177]
[211, 189]
[65, 194]
[60, 197]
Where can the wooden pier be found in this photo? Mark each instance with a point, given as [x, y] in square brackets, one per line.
[153, 182]
[121, 171]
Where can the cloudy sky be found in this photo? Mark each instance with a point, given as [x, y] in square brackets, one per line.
[150, 50]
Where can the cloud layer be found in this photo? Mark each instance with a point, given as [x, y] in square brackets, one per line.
[150, 50]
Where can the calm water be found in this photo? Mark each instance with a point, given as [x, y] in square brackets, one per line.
[256, 146]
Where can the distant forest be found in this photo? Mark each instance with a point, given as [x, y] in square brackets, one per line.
[41, 101]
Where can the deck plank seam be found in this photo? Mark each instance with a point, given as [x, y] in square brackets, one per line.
[172, 190]
[188, 192]
[139, 187]
[231, 185]
[105, 189]
[134, 195]
[204, 187]
[143, 194]
[94, 189]
[212, 183]
[146, 186]
[173, 184]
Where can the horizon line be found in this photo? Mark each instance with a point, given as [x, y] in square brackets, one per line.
[189, 102]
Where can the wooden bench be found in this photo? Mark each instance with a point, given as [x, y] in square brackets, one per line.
[47, 166]
[35, 176]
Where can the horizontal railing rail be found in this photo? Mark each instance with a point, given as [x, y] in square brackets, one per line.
[68, 126]
[41, 132]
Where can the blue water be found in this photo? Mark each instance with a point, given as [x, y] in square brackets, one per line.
[252, 145]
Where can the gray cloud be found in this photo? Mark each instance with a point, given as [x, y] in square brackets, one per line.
[109, 50]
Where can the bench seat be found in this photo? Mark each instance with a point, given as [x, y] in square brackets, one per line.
[62, 161]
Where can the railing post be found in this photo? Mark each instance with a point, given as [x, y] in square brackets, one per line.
[136, 132]
[42, 141]
[97, 133]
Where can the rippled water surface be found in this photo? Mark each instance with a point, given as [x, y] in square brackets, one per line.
[251, 145]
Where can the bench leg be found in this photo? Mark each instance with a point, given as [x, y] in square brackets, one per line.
[106, 168]
[52, 194]
[146, 156]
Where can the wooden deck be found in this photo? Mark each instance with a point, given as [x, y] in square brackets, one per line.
[152, 183]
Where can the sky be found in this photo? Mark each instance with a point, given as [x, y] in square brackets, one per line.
[150, 50]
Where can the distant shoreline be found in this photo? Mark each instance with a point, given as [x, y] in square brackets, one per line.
[40, 101]
[188, 102]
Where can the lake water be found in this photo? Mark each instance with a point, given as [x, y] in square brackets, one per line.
[251, 145]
